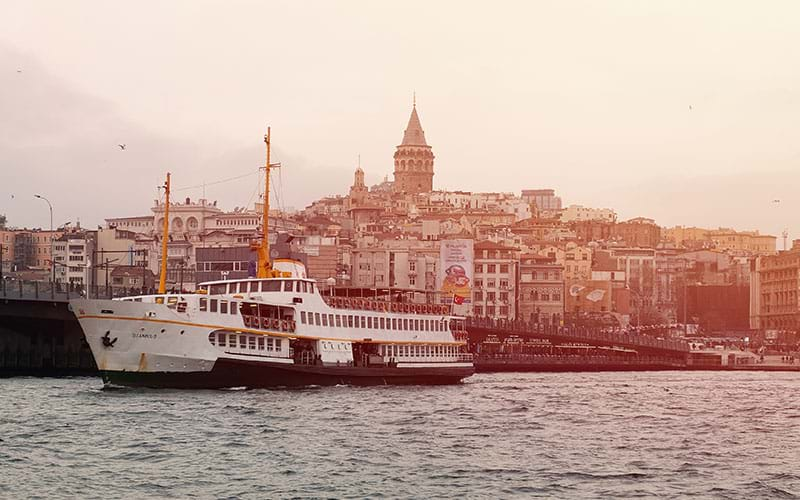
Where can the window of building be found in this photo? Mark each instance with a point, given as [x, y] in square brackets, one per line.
[478, 283]
[478, 295]
[556, 296]
[504, 296]
[303, 317]
[503, 283]
[478, 268]
[490, 310]
[490, 283]
[491, 268]
[412, 280]
[490, 296]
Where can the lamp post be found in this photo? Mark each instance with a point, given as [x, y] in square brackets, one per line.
[52, 257]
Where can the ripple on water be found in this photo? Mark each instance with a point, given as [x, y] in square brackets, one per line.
[506, 435]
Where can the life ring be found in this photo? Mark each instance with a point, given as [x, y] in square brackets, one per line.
[276, 323]
[247, 321]
[406, 308]
[265, 323]
[285, 325]
[292, 325]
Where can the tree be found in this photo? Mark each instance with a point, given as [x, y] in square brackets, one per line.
[2, 221]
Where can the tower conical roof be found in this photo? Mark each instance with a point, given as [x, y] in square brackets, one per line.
[414, 135]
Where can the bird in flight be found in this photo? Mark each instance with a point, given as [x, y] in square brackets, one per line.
[690, 107]
[776, 201]
[19, 71]
[122, 146]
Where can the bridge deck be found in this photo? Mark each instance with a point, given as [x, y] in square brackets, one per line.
[479, 328]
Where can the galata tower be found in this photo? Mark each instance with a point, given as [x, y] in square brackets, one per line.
[413, 160]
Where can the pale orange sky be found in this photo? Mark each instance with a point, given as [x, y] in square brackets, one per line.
[589, 98]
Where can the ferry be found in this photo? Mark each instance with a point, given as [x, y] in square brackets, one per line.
[274, 330]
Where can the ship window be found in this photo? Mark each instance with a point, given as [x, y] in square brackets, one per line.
[287, 286]
[271, 286]
[405, 323]
[363, 322]
[223, 306]
[242, 341]
[234, 308]
[349, 321]
[338, 321]
[303, 317]
[369, 321]
[394, 324]
[217, 289]
[269, 344]
[220, 339]
[252, 342]
[242, 287]
[278, 344]
[324, 320]
[330, 319]
[317, 320]
[203, 304]
[213, 307]
[383, 323]
[303, 287]
[311, 287]
[213, 339]
[260, 343]
[253, 286]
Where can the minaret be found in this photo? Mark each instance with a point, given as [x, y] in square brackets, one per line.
[413, 160]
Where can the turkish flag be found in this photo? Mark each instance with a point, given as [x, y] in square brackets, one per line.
[458, 299]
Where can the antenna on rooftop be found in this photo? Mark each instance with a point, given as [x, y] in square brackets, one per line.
[785, 235]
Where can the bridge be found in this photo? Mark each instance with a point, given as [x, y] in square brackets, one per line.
[481, 328]
[39, 335]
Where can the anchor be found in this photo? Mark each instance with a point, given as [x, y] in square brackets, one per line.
[107, 341]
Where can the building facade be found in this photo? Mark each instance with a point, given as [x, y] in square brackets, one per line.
[541, 290]
[495, 285]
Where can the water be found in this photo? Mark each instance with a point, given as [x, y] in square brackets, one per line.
[665, 434]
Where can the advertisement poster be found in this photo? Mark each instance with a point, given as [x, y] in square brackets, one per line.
[456, 266]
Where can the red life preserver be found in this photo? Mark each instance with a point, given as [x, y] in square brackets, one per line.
[265, 323]
[247, 320]
[276, 323]
[292, 325]
[285, 325]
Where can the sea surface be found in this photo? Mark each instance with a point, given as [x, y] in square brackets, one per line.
[574, 435]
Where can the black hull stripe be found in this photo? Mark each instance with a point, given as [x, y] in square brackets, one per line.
[239, 373]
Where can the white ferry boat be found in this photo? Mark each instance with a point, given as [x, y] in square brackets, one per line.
[273, 330]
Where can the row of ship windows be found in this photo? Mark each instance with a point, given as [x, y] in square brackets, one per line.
[297, 286]
[382, 323]
[418, 351]
[239, 341]
[221, 306]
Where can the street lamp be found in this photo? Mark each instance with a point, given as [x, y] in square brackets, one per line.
[52, 257]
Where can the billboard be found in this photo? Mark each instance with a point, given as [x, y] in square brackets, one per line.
[454, 276]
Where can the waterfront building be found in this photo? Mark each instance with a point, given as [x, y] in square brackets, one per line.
[73, 256]
[577, 262]
[777, 285]
[541, 289]
[495, 280]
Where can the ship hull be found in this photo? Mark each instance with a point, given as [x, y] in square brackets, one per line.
[228, 373]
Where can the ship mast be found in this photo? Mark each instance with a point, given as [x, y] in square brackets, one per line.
[162, 281]
[264, 268]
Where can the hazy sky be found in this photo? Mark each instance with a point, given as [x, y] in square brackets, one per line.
[590, 98]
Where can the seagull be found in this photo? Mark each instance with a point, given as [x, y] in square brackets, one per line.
[690, 107]
[122, 146]
[19, 71]
[776, 201]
